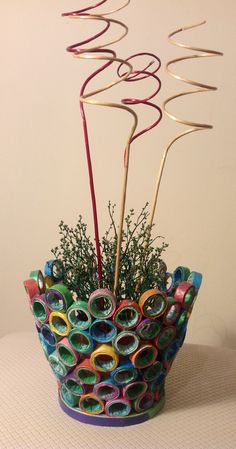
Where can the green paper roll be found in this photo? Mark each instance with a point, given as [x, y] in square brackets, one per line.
[79, 316]
[59, 298]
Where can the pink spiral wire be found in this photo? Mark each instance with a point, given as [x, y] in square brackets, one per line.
[129, 76]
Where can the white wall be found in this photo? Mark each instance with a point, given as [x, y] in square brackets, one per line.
[43, 171]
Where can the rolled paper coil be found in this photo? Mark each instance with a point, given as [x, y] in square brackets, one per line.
[102, 304]
[107, 390]
[59, 324]
[153, 371]
[59, 369]
[70, 399]
[183, 318]
[48, 282]
[135, 389]
[54, 269]
[40, 309]
[66, 353]
[170, 353]
[103, 331]
[144, 356]
[59, 298]
[144, 402]
[104, 358]
[74, 386]
[195, 279]
[126, 342]
[37, 275]
[128, 315]
[182, 334]
[118, 407]
[49, 337]
[152, 303]
[172, 312]
[148, 329]
[31, 288]
[185, 294]
[81, 341]
[169, 283]
[161, 379]
[91, 404]
[79, 316]
[180, 274]
[165, 338]
[86, 374]
[45, 348]
[124, 373]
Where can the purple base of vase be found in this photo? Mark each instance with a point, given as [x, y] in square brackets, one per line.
[104, 420]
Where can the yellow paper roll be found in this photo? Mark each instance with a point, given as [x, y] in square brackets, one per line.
[59, 324]
[104, 358]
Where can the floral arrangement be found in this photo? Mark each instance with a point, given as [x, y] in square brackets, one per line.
[109, 316]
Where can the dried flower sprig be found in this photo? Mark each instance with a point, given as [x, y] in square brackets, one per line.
[141, 266]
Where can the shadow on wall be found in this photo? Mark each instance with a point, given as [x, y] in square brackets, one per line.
[200, 375]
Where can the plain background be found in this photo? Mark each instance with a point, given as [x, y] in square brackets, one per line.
[43, 169]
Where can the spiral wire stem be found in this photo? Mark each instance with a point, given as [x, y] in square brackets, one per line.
[101, 53]
[198, 87]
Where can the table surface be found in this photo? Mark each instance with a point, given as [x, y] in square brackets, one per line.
[200, 410]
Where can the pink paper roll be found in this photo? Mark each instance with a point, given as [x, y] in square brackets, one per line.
[66, 353]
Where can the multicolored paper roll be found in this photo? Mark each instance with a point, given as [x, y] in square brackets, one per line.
[166, 336]
[107, 390]
[59, 369]
[153, 371]
[66, 353]
[31, 289]
[126, 343]
[144, 402]
[81, 341]
[153, 303]
[195, 279]
[102, 304]
[37, 275]
[180, 274]
[59, 324]
[169, 283]
[104, 358]
[49, 336]
[124, 373]
[181, 320]
[170, 354]
[70, 399]
[74, 386]
[149, 329]
[40, 309]
[118, 407]
[48, 282]
[91, 404]
[45, 348]
[79, 316]
[185, 294]
[59, 298]
[54, 269]
[128, 315]
[135, 389]
[144, 356]
[172, 312]
[103, 331]
[86, 374]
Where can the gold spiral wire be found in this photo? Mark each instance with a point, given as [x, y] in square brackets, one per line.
[198, 87]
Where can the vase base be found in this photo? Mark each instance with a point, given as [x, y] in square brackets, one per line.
[104, 420]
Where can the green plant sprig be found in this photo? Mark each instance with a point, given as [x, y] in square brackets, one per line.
[141, 266]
